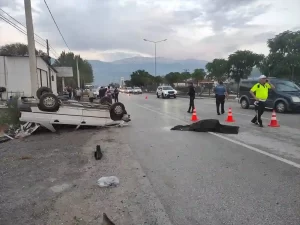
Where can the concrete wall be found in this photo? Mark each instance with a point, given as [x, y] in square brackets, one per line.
[15, 76]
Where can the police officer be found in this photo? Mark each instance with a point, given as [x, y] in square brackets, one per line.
[221, 94]
[191, 93]
[260, 92]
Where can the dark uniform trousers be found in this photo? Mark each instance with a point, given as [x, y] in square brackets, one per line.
[192, 104]
[259, 108]
[116, 97]
[220, 100]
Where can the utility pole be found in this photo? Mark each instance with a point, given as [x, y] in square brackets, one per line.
[49, 61]
[78, 75]
[31, 47]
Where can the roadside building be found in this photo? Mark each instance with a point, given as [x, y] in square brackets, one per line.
[15, 75]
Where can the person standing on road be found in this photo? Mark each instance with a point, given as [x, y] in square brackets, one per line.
[101, 92]
[260, 92]
[116, 94]
[91, 95]
[192, 94]
[108, 92]
[221, 94]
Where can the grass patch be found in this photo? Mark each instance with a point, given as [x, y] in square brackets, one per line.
[10, 115]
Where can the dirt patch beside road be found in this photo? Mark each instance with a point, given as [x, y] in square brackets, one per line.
[52, 179]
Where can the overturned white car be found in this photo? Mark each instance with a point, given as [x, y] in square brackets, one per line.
[48, 109]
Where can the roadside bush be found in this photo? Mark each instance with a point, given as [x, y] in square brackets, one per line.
[10, 115]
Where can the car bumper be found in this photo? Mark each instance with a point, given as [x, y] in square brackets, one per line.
[169, 95]
[294, 107]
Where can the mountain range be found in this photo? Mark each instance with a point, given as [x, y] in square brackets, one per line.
[107, 72]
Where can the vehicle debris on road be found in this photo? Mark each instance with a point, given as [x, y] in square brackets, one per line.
[111, 181]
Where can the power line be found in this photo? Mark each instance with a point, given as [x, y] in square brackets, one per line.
[18, 28]
[56, 25]
[53, 50]
[20, 23]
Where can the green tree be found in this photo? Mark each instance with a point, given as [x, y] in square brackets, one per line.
[286, 47]
[19, 49]
[84, 67]
[174, 77]
[128, 83]
[141, 78]
[158, 80]
[241, 64]
[218, 69]
[198, 75]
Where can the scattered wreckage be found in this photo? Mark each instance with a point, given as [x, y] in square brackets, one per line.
[48, 109]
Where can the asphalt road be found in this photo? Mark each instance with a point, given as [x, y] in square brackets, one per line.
[205, 178]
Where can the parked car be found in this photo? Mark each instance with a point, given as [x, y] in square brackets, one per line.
[285, 97]
[137, 90]
[128, 90]
[166, 92]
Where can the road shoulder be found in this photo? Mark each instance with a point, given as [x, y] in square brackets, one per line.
[132, 202]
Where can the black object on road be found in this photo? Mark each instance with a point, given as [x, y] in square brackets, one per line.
[209, 125]
[98, 153]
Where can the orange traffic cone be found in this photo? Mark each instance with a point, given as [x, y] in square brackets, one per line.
[146, 97]
[230, 117]
[274, 122]
[194, 116]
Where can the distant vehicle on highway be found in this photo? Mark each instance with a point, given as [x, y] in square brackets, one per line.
[166, 92]
[128, 90]
[137, 90]
[285, 97]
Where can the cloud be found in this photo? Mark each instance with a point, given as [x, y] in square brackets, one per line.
[112, 29]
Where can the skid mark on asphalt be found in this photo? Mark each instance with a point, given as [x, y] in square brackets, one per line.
[291, 163]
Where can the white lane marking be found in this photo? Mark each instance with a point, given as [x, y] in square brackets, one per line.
[291, 163]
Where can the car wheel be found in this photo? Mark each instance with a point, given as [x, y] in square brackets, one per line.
[42, 90]
[175, 96]
[244, 103]
[157, 95]
[49, 103]
[162, 95]
[117, 111]
[280, 107]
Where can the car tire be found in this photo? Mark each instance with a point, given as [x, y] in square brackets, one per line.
[175, 96]
[49, 103]
[244, 103]
[42, 90]
[117, 111]
[157, 95]
[106, 100]
[280, 107]
[162, 95]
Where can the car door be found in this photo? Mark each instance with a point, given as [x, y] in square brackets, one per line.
[271, 99]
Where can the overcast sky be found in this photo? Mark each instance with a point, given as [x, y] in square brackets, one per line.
[114, 29]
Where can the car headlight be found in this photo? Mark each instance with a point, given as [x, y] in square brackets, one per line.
[295, 99]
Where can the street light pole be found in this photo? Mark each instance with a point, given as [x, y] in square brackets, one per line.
[155, 42]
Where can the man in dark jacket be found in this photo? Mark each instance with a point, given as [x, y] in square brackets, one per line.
[116, 94]
[101, 92]
[192, 94]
